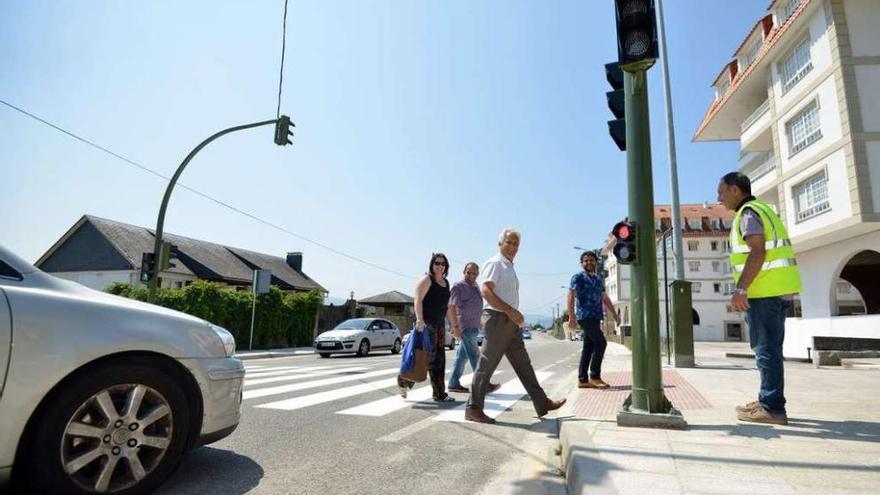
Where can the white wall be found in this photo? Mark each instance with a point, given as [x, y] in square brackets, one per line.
[820, 55]
[867, 82]
[874, 168]
[799, 332]
[96, 280]
[829, 121]
[862, 17]
[838, 195]
[820, 269]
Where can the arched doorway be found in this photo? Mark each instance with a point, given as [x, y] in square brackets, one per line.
[696, 316]
[861, 273]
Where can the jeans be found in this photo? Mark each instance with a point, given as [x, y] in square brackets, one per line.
[766, 320]
[467, 349]
[593, 351]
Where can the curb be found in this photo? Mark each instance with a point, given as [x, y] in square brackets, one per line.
[272, 354]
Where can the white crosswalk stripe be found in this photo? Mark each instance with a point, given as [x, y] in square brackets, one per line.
[283, 389]
[495, 404]
[301, 376]
[330, 395]
[293, 369]
[388, 405]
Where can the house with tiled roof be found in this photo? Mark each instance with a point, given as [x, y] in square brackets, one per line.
[97, 252]
[800, 96]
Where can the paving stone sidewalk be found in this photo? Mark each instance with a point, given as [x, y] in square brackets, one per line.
[830, 446]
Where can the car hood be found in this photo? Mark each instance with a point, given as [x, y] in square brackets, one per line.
[342, 333]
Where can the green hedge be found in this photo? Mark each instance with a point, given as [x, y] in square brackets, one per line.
[282, 320]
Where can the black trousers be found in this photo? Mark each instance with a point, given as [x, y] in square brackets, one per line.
[593, 351]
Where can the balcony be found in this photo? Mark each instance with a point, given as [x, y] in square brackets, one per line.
[757, 129]
[765, 167]
[757, 114]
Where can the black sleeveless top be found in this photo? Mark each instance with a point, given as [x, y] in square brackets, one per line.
[435, 303]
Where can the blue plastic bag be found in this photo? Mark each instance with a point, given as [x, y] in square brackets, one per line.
[418, 340]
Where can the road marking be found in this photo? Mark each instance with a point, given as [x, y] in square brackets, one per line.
[285, 370]
[388, 405]
[281, 389]
[495, 404]
[330, 395]
[300, 376]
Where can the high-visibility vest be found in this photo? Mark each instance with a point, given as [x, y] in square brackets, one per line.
[779, 275]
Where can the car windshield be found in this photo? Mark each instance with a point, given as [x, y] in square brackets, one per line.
[355, 324]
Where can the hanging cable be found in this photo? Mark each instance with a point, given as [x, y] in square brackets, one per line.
[203, 195]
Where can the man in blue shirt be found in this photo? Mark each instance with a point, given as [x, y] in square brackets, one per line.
[588, 289]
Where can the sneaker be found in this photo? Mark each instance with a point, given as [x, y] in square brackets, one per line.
[477, 416]
[458, 388]
[748, 407]
[761, 415]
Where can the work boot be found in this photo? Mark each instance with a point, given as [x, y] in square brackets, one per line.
[477, 416]
[748, 407]
[761, 415]
[552, 405]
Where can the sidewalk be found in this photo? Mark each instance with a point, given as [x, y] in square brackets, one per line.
[274, 353]
[831, 444]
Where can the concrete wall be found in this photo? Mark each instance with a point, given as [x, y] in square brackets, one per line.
[98, 280]
[799, 332]
[862, 17]
[829, 119]
[873, 149]
[838, 195]
[820, 55]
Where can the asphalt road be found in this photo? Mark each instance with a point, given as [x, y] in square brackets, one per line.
[334, 426]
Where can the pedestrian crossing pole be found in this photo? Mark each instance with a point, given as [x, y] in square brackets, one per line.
[647, 405]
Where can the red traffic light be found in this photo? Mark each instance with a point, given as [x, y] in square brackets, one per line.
[624, 231]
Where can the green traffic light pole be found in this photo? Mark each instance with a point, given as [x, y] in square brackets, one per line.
[160, 223]
[647, 405]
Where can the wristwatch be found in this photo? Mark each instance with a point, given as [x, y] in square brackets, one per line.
[740, 291]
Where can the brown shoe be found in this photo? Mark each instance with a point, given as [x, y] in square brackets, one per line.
[493, 387]
[599, 383]
[552, 405]
[761, 415]
[458, 388]
[748, 407]
[477, 416]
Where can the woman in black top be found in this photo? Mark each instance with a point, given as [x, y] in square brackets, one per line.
[431, 305]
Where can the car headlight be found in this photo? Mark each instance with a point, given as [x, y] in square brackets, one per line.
[225, 337]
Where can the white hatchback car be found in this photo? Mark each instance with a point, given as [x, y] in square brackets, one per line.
[101, 394]
[359, 336]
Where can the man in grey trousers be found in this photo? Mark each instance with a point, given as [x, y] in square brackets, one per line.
[500, 289]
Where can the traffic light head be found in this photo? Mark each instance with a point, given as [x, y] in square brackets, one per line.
[636, 33]
[616, 103]
[625, 246]
[148, 261]
[282, 131]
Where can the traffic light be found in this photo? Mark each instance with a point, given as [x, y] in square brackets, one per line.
[169, 252]
[636, 33]
[282, 131]
[625, 247]
[616, 103]
[148, 262]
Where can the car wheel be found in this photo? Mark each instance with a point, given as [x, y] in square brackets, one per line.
[395, 349]
[324, 354]
[120, 429]
[364, 348]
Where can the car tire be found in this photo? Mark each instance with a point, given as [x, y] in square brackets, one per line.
[70, 432]
[395, 349]
[363, 348]
[324, 354]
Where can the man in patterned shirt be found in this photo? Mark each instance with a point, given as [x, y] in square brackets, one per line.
[588, 289]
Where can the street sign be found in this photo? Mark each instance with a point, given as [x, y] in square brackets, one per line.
[262, 280]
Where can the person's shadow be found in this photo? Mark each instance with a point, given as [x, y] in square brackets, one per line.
[215, 471]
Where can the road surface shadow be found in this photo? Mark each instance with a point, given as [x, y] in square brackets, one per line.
[215, 471]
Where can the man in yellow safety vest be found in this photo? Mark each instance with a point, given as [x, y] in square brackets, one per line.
[766, 275]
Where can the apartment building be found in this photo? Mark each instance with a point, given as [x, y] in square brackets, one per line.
[705, 230]
[802, 96]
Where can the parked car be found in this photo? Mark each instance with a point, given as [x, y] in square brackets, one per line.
[359, 336]
[99, 393]
[527, 334]
[448, 340]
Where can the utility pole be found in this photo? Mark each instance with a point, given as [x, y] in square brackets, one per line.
[637, 52]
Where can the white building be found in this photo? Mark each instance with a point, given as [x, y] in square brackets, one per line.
[706, 257]
[802, 99]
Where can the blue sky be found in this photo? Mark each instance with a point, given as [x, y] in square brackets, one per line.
[420, 126]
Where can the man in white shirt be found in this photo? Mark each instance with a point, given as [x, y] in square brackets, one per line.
[500, 289]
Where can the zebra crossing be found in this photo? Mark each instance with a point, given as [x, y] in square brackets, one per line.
[291, 388]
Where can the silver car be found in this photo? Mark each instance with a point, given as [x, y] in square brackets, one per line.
[101, 394]
[359, 336]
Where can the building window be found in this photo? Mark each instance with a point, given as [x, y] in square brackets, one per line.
[811, 196]
[695, 223]
[725, 267]
[725, 245]
[716, 288]
[789, 9]
[694, 266]
[728, 288]
[796, 65]
[804, 129]
[693, 245]
[696, 287]
[721, 90]
[751, 55]
[716, 266]
[714, 245]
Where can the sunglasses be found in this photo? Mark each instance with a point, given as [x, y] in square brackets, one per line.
[439, 263]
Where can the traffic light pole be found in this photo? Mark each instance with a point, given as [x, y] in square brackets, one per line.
[647, 405]
[160, 222]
